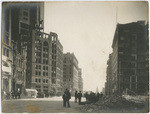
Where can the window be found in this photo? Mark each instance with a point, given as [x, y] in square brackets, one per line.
[46, 61]
[43, 80]
[25, 13]
[53, 81]
[40, 80]
[133, 57]
[46, 80]
[133, 64]
[5, 64]
[43, 61]
[43, 73]
[6, 52]
[36, 72]
[36, 80]
[46, 67]
[46, 73]
[25, 18]
[43, 67]
[39, 73]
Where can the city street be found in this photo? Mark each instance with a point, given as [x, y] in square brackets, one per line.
[39, 105]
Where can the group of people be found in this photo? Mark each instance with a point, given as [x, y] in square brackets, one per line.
[67, 96]
[78, 96]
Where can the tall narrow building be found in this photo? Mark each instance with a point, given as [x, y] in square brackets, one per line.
[70, 73]
[19, 20]
[7, 59]
[57, 64]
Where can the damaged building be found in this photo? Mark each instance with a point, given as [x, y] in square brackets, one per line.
[129, 59]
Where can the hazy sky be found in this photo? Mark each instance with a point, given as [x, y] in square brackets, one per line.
[87, 29]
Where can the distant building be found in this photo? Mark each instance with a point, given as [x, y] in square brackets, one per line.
[129, 70]
[110, 81]
[80, 80]
[70, 72]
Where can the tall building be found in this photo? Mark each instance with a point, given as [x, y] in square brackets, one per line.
[18, 20]
[7, 59]
[70, 73]
[129, 58]
[80, 80]
[57, 64]
[39, 71]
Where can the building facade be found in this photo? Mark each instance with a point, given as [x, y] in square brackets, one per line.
[7, 59]
[57, 64]
[39, 71]
[129, 58]
[18, 20]
[70, 73]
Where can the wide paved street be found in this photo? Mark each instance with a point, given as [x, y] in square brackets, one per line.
[39, 105]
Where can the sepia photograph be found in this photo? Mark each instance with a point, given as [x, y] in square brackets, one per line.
[75, 57]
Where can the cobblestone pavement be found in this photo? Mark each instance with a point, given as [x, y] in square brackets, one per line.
[39, 105]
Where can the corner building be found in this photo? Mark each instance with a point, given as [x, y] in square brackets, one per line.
[129, 58]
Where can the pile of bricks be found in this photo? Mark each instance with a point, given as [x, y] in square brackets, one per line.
[114, 103]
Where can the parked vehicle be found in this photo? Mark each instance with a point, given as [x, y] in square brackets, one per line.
[31, 93]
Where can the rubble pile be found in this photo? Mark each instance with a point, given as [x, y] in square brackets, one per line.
[113, 103]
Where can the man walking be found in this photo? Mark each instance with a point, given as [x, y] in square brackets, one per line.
[64, 99]
[76, 96]
[68, 97]
[79, 97]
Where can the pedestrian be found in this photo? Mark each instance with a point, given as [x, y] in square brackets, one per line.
[18, 94]
[68, 97]
[79, 97]
[15, 94]
[76, 96]
[64, 99]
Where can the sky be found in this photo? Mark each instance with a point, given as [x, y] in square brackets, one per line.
[87, 30]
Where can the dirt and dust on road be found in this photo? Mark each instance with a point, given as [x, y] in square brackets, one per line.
[118, 104]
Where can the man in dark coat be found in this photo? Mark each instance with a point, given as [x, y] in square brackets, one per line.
[76, 96]
[68, 97]
[64, 99]
[79, 97]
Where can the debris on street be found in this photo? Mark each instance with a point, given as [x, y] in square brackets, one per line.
[116, 103]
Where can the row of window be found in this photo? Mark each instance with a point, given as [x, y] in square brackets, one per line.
[38, 60]
[38, 73]
[39, 80]
[39, 67]
[6, 52]
[39, 54]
